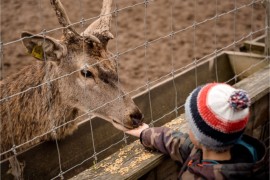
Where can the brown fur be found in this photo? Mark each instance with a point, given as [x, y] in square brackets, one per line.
[34, 112]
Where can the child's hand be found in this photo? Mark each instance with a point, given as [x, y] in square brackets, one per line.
[136, 132]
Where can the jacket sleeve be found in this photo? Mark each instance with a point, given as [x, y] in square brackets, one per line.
[175, 144]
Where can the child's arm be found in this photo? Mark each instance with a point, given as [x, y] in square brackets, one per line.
[175, 144]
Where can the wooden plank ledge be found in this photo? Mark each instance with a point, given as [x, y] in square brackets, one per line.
[256, 45]
[130, 162]
[257, 85]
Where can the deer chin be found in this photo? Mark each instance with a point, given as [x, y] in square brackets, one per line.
[121, 126]
[115, 122]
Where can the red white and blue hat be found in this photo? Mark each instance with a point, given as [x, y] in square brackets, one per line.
[217, 115]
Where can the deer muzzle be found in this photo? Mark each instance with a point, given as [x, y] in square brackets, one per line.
[136, 118]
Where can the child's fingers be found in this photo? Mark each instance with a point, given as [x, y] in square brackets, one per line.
[136, 132]
[144, 126]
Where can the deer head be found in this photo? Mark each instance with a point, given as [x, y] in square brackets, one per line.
[92, 83]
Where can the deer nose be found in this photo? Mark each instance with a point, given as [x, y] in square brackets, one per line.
[136, 118]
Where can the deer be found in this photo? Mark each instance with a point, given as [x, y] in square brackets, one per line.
[88, 81]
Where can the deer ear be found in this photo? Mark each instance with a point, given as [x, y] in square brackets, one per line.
[42, 47]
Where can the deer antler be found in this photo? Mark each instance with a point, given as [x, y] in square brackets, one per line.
[65, 22]
[101, 27]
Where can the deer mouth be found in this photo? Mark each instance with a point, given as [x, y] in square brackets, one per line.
[116, 123]
[121, 125]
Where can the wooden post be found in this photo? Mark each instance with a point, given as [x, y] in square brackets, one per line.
[267, 32]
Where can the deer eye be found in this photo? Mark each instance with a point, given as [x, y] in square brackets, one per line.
[86, 73]
[89, 43]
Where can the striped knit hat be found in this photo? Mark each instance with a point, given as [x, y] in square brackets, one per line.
[217, 115]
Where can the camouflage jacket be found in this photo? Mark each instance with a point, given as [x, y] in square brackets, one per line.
[179, 147]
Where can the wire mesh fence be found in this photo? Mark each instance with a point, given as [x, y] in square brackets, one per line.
[153, 40]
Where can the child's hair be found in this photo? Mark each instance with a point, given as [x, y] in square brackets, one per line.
[217, 115]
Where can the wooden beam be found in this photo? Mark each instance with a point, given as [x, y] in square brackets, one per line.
[130, 162]
[256, 45]
[267, 31]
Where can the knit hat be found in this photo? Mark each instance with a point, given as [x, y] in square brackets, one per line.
[217, 115]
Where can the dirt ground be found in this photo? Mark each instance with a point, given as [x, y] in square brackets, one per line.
[133, 26]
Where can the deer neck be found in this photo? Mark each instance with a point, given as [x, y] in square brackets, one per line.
[33, 103]
[34, 111]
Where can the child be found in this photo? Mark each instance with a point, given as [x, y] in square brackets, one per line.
[215, 147]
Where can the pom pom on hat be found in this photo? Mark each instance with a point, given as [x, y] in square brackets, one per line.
[239, 100]
[217, 114]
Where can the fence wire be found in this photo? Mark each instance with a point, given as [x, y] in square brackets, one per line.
[145, 44]
[131, 92]
[148, 84]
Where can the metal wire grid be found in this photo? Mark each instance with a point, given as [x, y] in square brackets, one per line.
[146, 44]
[148, 83]
[245, 37]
